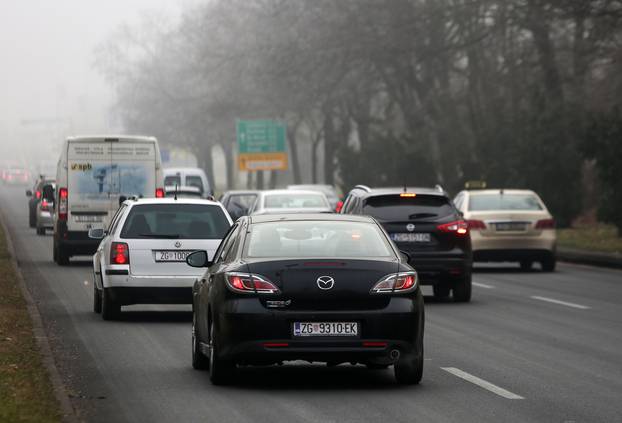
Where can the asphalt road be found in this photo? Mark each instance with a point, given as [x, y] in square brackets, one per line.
[530, 347]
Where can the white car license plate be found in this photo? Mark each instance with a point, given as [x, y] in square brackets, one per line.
[511, 226]
[326, 329]
[88, 218]
[171, 255]
[411, 237]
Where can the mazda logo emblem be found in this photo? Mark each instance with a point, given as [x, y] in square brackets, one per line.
[178, 244]
[325, 282]
[410, 227]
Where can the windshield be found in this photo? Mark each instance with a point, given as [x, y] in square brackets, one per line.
[294, 201]
[396, 208]
[485, 202]
[176, 221]
[317, 239]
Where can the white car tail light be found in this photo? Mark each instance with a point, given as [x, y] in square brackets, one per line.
[119, 253]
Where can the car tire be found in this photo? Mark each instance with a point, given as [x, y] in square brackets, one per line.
[525, 265]
[199, 360]
[40, 231]
[441, 290]
[54, 253]
[548, 263]
[110, 308]
[62, 258]
[97, 298]
[409, 368]
[220, 370]
[462, 289]
[32, 221]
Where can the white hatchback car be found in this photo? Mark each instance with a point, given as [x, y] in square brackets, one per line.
[141, 258]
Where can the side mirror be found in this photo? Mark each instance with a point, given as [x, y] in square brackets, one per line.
[96, 233]
[28, 193]
[198, 259]
[122, 198]
[405, 256]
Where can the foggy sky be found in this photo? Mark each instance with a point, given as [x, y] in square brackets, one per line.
[47, 63]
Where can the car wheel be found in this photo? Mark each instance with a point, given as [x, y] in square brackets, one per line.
[220, 370]
[110, 308]
[409, 368]
[462, 289]
[548, 263]
[441, 290]
[62, 258]
[199, 360]
[31, 219]
[97, 298]
[40, 231]
[54, 253]
[525, 265]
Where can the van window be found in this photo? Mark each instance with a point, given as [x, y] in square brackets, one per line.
[172, 180]
[195, 181]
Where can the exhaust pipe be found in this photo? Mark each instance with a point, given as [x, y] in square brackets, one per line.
[395, 355]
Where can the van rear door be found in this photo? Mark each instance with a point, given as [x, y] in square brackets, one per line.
[133, 170]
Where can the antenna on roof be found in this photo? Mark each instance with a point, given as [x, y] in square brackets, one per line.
[405, 189]
[175, 197]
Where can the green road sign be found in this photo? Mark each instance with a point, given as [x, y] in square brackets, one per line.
[260, 136]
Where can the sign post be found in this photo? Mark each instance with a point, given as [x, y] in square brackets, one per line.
[261, 145]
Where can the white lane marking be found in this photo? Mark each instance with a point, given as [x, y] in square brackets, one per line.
[482, 285]
[482, 383]
[554, 301]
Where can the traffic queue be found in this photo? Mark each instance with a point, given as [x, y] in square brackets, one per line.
[283, 274]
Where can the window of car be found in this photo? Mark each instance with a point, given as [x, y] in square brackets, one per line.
[317, 239]
[175, 221]
[48, 192]
[116, 218]
[458, 201]
[395, 207]
[294, 201]
[195, 181]
[499, 201]
[172, 180]
[225, 247]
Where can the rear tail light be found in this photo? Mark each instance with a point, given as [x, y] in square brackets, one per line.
[396, 283]
[159, 193]
[63, 196]
[459, 227]
[119, 253]
[45, 205]
[38, 195]
[476, 224]
[545, 224]
[339, 206]
[250, 283]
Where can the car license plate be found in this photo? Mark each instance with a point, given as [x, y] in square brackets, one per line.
[510, 226]
[88, 218]
[411, 237]
[171, 255]
[326, 329]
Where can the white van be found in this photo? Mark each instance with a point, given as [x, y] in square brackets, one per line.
[187, 176]
[93, 176]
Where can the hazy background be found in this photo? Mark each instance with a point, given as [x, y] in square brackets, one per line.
[50, 86]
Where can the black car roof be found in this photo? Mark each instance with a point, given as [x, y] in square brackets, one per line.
[291, 217]
[399, 190]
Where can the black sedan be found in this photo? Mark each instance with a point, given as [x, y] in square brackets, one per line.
[321, 288]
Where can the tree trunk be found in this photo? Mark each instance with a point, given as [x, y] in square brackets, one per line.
[228, 149]
[293, 152]
[329, 146]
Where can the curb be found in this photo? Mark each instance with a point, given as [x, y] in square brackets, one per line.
[60, 392]
[591, 258]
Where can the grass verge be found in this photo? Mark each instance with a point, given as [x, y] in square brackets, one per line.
[600, 237]
[26, 393]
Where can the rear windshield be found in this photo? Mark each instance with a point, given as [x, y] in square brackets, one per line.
[195, 181]
[172, 180]
[176, 221]
[294, 201]
[397, 208]
[485, 202]
[317, 239]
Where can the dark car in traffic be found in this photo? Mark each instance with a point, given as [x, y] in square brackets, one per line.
[315, 287]
[42, 186]
[425, 223]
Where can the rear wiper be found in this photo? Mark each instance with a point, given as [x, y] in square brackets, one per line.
[171, 236]
[418, 215]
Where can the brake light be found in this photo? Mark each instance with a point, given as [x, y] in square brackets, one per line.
[38, 195]
[44, 204]
[338, 206]
[396, 283]
[250, 283]
[159, 193]
[545, 224]
[476, 224]
[459, 227]
[408, 194]
[119, 253]
[63, 195]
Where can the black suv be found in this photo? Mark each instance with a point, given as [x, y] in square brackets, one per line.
[424, 223]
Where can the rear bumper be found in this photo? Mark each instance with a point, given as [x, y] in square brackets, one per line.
[151, 295]
[512, 255]
[76, 242]
[544, 241]
[435, 270]
[45, 220]
[253, 334]
[120, 277]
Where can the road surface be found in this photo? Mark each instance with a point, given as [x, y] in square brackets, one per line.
[530, 347]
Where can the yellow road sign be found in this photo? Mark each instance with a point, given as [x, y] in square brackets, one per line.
[262, 161]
